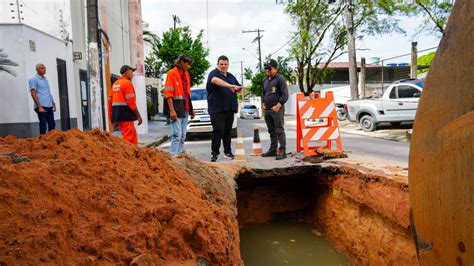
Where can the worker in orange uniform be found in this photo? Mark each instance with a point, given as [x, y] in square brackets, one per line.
[178, 98]
[123, 107]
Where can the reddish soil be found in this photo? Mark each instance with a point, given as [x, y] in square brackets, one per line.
[91, 198]
[366, 217]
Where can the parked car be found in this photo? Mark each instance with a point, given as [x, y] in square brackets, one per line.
[341, 95]
[398, 104]
[249, 111]
[202, 121]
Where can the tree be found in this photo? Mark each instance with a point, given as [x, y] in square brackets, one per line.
[321, 35]
[175, 42]
[6, 63]
[152, 66]
[436, 13]
[257, 78]
[425, 61]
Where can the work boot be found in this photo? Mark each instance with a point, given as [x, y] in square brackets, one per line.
[229, 155]
[281, 155]
[214, 157]
[270, 153]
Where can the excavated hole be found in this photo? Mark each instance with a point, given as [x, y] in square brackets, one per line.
[284, 193]
[344, 206]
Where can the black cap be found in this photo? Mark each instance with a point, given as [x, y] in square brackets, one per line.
[270, 63]
[126, 68]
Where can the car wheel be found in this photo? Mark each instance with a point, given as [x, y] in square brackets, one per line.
[233, 133]
[241, 117]
[367, 123]
[395, 123]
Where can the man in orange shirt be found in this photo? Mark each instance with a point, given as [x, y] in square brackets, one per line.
[123, 107]
[178, 98]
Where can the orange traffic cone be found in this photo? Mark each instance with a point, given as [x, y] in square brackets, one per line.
[256, 146]
[240, 149]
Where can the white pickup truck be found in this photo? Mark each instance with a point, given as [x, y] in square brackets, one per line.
[398, 104]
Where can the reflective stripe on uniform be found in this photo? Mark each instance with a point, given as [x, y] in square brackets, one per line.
[119, 104]
[128, 96]
[169, 89]
[178, 97]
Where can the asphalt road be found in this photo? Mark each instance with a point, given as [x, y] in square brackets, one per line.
[361, 148]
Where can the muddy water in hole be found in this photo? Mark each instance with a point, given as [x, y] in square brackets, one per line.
[286, 243]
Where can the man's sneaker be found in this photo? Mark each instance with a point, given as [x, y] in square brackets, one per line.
[214, 158]
[229, 155]
[270, 153]
[281, 155]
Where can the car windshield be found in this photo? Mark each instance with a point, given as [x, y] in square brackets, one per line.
[250, 107]
[198, 95]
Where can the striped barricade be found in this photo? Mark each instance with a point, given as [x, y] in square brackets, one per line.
[317, 125]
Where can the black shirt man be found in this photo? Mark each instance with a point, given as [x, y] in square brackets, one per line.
[274, 96]
[222, 88]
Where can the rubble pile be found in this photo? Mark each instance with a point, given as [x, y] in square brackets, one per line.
[90, 198]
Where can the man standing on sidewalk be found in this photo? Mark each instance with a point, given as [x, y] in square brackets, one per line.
[44, 102]
[178, 98]
[123, 107]
[275, 94]
[222, 87]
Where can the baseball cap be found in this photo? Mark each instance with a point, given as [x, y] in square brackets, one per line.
[270, 63]
[126, 68]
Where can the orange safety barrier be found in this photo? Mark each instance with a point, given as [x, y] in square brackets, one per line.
[316, 123]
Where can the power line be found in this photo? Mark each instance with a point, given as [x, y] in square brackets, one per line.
[283, 45]
[259, 47]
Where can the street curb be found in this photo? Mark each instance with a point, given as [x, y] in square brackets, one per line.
[157, 142]
[403, 139]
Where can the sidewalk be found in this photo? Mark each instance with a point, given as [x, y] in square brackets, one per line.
[158, 133]
[388, 132]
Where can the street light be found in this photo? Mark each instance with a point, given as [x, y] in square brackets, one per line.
[250, 53]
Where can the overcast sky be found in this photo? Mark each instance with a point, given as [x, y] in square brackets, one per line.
[227, 19]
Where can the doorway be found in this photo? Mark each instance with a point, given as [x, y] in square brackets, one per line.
[85, 110]
[63, 94]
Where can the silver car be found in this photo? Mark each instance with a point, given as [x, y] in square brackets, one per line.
[249, 111]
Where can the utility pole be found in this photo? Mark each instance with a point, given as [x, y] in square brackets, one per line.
[362, 76]
[351, 50]
[95, 66]
[259, 48]
[18, 11]
[414, 58]
[176, 20]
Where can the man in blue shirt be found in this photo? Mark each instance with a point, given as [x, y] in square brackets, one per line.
[44, 103]
[222, 87]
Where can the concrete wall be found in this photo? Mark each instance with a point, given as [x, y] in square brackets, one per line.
[114, 19]
[17, 116]
[78, 36]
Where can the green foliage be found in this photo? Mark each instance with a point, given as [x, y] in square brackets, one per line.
[321, 34]
[257, 78]
[152, 66]
[436, 13]
[179, 41]
[425, 60]
[150, 107]
[6, 63]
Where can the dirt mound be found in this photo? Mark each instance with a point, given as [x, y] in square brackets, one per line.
[91, 198]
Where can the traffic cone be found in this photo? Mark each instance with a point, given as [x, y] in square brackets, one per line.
[240, 149]
[256, 146]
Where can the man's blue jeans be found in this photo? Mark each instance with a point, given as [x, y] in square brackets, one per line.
[46, 119]
[179, 128]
